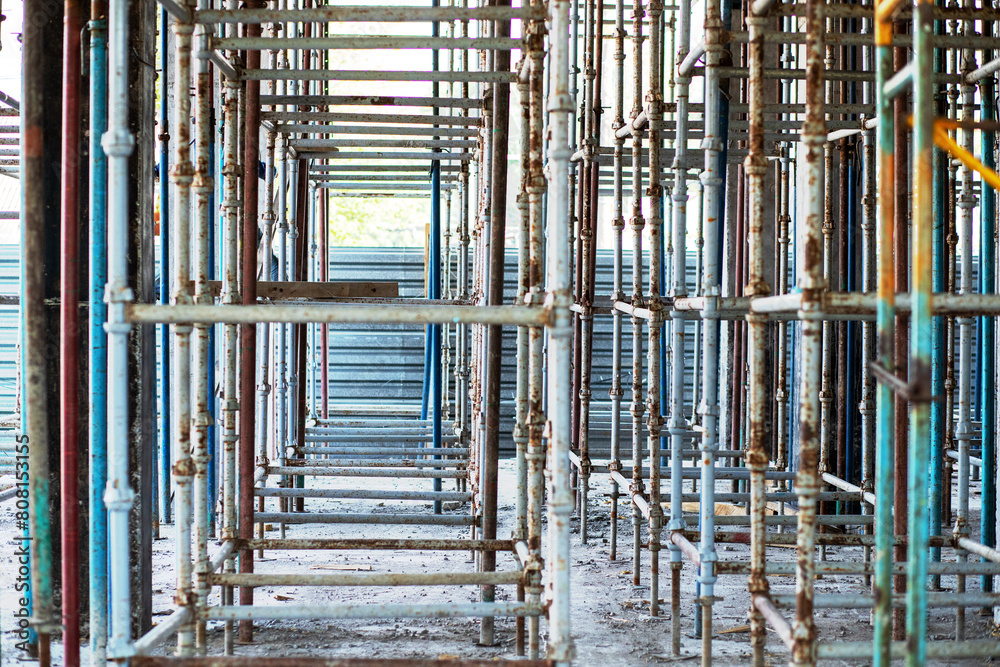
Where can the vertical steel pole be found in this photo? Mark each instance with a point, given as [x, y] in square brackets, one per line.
[118, 143]
[230, 295]
[520, 434]
[560, 339]
[202, 186]
[812, 284]
[618, 226]
[654, 419]
[964, 431]
[585, 322]
[712, 215]
[35, 433]
[498, 219]
[987, 346]
[637, 224]
[183, 466]
[869, 416]
[69, 332]
[921, 340]
[165, 348]
[755, 167]
[536, 416]
[98, 416]
[938, 420]
[885, 412]
[678, 425]
[248, 332]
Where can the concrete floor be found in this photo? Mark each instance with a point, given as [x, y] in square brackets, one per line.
[611, 624]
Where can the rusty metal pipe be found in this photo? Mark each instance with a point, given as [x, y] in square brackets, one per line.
[248, 333]
[498, 218]
[202, 187]
[807, 484]
[677, 424]
[757, 286]
[182, 176]
[69, 332]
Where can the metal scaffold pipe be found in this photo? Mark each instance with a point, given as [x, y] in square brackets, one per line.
[118, 143]
[794, 146]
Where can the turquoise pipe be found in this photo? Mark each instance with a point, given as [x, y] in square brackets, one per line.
[885, 414]
[98, 343]
[936, 473]
[921, 344]
[987, 278]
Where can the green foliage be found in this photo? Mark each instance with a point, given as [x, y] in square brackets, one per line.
[381, 222]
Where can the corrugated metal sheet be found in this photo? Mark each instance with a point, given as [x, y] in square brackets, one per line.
[372, 363]
[386, 362]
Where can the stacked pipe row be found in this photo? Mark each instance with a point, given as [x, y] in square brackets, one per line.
[216, 68]
[795, 444]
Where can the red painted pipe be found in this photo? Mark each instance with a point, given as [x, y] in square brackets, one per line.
[248, 351]
[69, 339]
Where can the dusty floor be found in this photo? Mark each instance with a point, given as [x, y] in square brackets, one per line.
[611, 624]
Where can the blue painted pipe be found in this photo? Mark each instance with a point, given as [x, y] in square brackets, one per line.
[938, 356]
[425, 392]
[434, 292]
[720, 218]
[98, 371]
[434, 278]
[987, 277]
[164, 283]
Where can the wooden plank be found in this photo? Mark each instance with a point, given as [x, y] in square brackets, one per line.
[283, 291]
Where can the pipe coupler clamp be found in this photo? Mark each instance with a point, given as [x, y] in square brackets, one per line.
[118, 143]
[118, 498]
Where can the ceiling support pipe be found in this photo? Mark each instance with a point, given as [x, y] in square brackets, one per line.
[757, 343]
[884, 481]
[900, 178]
[921, 341]
[164, 137]
[677, 424]
[202, 188]
[494, 353]
[535, 455]
[118, 143]
[560, 340]
[812, 284]
[98, 417]
[433, 369]
[987, 351]
[182, 176]
[69, 333]
[40, 83]
[248, 332]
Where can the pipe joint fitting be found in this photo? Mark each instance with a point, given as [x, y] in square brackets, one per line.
[118, 498]
[184, 468]
[757, 460]
[182, 173]
[118, 143]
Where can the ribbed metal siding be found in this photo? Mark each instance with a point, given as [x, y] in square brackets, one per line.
[385, 363]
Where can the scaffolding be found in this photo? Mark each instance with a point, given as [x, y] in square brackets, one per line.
[812, 314]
